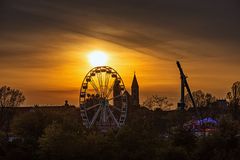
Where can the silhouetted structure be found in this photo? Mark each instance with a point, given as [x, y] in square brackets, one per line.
[110, 109]
[135, 92]
[132, 99]
[181, 105]
[46, 108]
[116, 93]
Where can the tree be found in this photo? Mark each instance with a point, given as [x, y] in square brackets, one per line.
[10, 97]
[30, 125]
[201, 99]
[183, 138]
[233, 98]
[157, 101]
[61, 141]
[234, 95]
[55, 142]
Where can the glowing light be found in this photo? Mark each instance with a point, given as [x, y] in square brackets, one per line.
[97, 58]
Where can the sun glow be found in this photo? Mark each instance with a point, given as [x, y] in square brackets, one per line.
[97, 58]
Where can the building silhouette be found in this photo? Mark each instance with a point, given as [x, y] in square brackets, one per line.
[116, 92]
[133, 98]
[135, 92]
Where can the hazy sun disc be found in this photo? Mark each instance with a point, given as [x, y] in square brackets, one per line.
[97, 58]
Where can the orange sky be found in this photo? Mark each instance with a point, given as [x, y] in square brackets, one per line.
[44, 46]
[53, 84]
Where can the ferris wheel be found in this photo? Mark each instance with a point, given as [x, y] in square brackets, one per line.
[103, 99]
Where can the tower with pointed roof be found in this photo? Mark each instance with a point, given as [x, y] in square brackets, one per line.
[135, 91]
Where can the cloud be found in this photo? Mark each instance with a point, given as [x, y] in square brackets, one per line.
[151, 28]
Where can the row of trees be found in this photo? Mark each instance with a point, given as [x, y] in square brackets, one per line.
[201, 99]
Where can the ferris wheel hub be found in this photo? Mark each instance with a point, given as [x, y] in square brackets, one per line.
[104, 102]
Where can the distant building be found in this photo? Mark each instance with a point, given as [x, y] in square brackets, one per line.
[133, 99]
[34, 108]
[135, 92]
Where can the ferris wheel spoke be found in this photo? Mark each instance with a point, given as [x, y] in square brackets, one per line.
[95, 117]
[92, 82]
[94, 106]
[111, 89]
[118, 109]
[115, 108]
[106, 83]
[115, 97]
[113, 117]
[99, 76]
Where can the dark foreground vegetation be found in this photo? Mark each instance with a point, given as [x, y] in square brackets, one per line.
[59, 135]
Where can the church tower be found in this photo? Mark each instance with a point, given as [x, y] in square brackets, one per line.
[135, 91]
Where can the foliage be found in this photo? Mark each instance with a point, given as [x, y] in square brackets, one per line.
[10, 97]
[224, 144]
[29, 125]
[173, 153]
[59, 135]
[58, 143]
[201, 99]
[157, 101]
[183, 138]
[234, 95]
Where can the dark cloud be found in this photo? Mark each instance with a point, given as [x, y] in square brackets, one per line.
[166, 29]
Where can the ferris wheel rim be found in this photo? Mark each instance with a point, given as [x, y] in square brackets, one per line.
[95, 69]
[123, 110]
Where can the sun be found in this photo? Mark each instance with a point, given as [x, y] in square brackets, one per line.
[97, 58]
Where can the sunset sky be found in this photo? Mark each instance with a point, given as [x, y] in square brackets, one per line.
[44, 45]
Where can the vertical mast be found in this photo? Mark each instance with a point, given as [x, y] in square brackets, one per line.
[184, 84]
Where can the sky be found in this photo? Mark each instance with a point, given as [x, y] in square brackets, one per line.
[44, 45]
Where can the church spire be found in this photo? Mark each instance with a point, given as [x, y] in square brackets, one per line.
[135, 91]
[135, 82]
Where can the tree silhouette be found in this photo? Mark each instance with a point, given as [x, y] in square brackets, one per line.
[234, 99]
[157, 101]
[201, 99]
[234, 95]
[10, 97]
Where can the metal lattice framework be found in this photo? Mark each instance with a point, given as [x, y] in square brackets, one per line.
[103, 99]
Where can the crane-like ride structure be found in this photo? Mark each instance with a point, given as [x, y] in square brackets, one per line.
[184, 84]
[181, 104]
